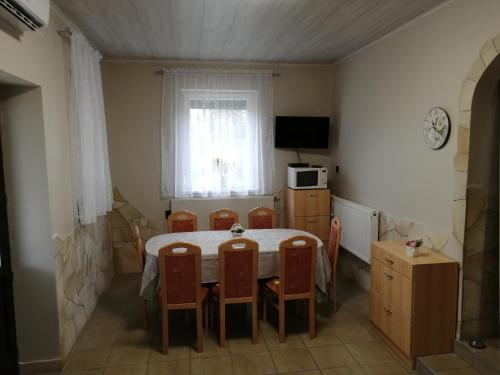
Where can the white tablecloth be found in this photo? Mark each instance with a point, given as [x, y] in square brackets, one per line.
[208, 241]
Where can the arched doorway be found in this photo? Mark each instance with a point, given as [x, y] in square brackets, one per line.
[476, 213]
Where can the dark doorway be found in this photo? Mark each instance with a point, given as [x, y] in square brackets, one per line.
[8, 343]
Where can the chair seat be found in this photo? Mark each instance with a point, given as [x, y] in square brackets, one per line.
[274, 285]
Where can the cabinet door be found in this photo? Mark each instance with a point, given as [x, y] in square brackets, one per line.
[317, 225]
[311, 202]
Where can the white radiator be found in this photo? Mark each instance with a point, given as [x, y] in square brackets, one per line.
[204, 206]
[359, 226]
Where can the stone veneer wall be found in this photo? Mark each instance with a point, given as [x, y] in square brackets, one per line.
[478, 239]
[123, 219]
[84, 268]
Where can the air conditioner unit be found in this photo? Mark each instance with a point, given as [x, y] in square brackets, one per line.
[25, 14]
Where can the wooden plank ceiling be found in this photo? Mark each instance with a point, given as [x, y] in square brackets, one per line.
[303, 31]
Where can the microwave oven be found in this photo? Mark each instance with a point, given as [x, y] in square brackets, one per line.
[307, 178]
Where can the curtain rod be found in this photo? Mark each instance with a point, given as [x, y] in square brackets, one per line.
[165, 71]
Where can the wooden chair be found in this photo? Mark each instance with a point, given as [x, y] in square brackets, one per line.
[333, 255]
[223, 219]
[141, 258]
[238, 263]
[261, 218]
[297, 269]
[182, 221]
[180, 280]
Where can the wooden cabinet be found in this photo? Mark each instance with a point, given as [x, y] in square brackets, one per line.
[413, 300]
[309, 210]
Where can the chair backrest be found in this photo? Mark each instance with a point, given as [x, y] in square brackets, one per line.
[238, 263]
[297, 265]
[334, 242]
[139, 248]
[180, 274]
[182, 221]
[261, 218]
[223, 219]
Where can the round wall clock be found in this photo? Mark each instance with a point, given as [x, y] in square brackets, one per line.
[436, 128]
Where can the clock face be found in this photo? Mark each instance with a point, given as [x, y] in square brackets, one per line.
[436, 128]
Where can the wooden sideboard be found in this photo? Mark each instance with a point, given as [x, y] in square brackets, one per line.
[413, 300]
[309, 210]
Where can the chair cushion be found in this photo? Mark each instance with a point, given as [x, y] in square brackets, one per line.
[274, 285]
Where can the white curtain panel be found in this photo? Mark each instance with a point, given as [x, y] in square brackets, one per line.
[217, 133]
[89, 146]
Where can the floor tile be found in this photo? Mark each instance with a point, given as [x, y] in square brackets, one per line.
[97, 323]
[211, 348]
[443, 362]
[244, 345]
[133, 337]
[350, 370]
[332, 356]
[292, 360]
[180, 367]
[253, 364]
[129, 354]
[460, 371]
[174, 353]
[291, 341]
[385, 369]
[96, 339]
[126, 370]
[353, 334]
[310, 372]
[324, 336]
[370, 353]
[88, 359]
[212, 366]
[98, 371]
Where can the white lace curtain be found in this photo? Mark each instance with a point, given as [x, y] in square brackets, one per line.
[217, 133]
[89, 145]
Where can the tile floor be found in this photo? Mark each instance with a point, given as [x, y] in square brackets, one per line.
[114, 341]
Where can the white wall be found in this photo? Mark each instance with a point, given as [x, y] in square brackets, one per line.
[23, 146]
[381, 96]
[132, 99]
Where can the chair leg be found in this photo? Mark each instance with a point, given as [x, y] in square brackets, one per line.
[264, 307]
[145, 314]
[164, 325]
[205, 312]
[254, 323]
[281, 321]
[199, 330]
[222, 324]
[312, 318]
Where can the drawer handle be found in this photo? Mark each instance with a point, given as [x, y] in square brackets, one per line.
[311, 221]
[312, 195]
[387, 276]
[387, 311]
[389, 261]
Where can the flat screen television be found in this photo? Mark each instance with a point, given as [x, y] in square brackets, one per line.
[301, 132]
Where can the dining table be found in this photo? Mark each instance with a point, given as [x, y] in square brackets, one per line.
[209, 241]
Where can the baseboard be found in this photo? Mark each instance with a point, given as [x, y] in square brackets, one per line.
[40, 367]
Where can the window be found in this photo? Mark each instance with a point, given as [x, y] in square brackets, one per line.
[217, 135]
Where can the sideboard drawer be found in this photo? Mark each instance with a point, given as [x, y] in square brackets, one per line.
[317, 225]
[392, 261]
[391, 322]
[394, 288]
[311, 202]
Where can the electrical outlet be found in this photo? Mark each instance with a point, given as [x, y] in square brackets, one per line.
[337, 169]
